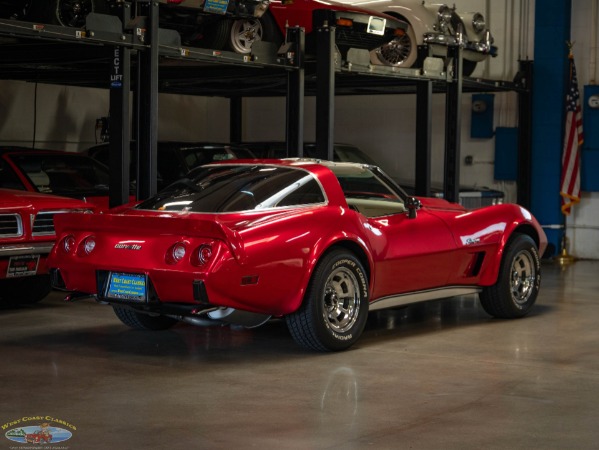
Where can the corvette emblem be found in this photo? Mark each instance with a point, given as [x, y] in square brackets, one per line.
[128, 246]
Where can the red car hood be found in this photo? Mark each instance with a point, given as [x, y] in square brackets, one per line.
[12, 198]
[440, 204]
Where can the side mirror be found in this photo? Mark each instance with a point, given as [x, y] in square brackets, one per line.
[413, 205]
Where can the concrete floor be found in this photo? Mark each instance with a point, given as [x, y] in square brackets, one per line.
[437, 376]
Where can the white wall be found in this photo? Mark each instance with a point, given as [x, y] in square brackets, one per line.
[383, 126]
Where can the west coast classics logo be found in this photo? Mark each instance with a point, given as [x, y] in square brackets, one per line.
[38, 430]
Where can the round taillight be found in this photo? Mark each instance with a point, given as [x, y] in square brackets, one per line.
[68, 243]
[88, 245]
[204, 254]
[176, 253]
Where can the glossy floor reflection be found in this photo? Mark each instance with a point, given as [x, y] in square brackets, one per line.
[437, 376]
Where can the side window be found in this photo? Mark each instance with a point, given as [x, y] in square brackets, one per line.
[8, 178]
[306, 194]
[367, 193]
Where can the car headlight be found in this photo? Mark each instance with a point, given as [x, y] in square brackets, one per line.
[444, 17]
[478, 23]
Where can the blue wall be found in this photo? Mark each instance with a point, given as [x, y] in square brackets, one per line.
[552, 30]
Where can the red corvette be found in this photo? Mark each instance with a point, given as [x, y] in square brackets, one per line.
[26, 237]
[317, 243]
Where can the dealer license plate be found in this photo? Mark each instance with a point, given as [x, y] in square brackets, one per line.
[127, 286]
[376, 25]
[22, 266]
[216, 6]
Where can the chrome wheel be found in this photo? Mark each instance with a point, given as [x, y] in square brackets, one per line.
[396, 52]
[341, 300]
[518, 280]
[523, 276]
[244, 33]
[400, 52]
[335, 307]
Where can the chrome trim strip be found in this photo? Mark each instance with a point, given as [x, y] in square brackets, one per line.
[18, 223]
[26, 249]
[422, 296]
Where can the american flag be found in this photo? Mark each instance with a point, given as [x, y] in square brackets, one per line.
[570, 185]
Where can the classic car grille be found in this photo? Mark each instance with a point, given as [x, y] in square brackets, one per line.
[11, 225]
[357, 38]
[43, 224]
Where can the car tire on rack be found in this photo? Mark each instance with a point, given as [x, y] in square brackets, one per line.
[143, 321]
[245, 32]
[68, 13]
[518, 282]
[335, 307]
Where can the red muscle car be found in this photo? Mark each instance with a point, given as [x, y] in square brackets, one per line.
[26, 237]
[317, 243]
[66, 174]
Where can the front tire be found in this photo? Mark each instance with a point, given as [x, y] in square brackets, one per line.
[400, 52]
[141, 321]
[335, 307]
[518, 282]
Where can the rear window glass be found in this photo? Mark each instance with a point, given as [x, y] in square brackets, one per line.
[229, 188]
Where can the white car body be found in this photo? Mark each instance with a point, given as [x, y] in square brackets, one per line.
[426, 29]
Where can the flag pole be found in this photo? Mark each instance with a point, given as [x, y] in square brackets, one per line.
[570, 197]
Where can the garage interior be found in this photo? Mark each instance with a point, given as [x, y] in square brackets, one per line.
[436, 375]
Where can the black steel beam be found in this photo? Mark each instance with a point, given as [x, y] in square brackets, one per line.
[453, 116]
[295, 94]
[424, 96]
[235, 119]
[120, 133]
[323, 22]
[524, 79]
[148, 109]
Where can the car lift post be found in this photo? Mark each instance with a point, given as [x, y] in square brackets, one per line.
[524, 79]
[453, 111]
[235, 119]
[295, 92]
[148, 107]
[424, 96]
[120, 133]
[324, 27]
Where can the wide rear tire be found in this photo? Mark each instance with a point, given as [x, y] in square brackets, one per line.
[335, 307]
[141, 321]
[518, 282]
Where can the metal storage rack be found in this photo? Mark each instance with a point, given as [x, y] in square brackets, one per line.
[147, 60]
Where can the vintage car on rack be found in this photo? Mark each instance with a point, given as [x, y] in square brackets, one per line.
[26, 237]
[207, 22]
[232, 25]
[317, 243]
[433, 26]
[55, 172]
[355, 27]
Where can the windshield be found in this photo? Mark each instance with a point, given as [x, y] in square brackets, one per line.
[64, 174]
[8, 178]
[228, 188]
